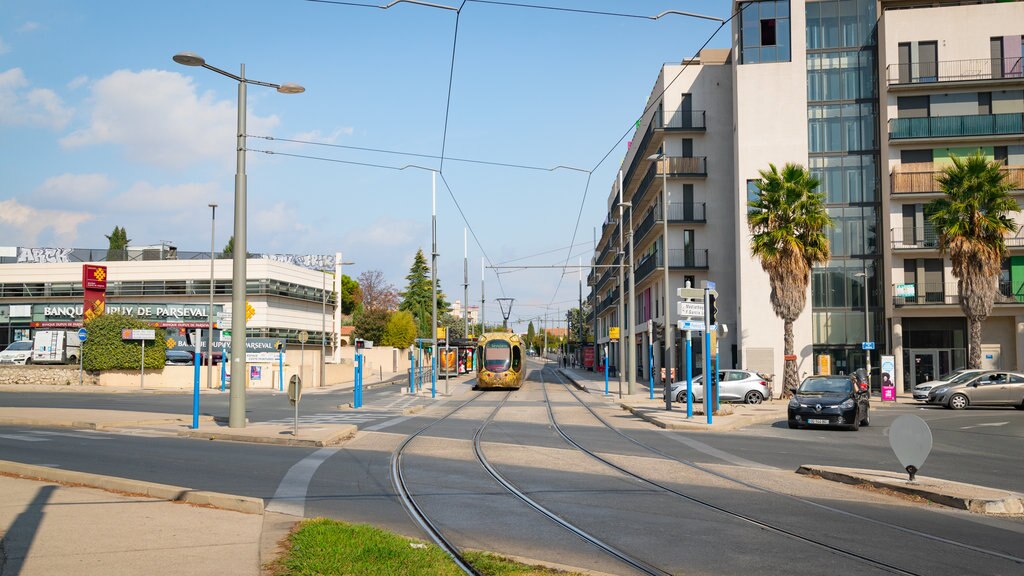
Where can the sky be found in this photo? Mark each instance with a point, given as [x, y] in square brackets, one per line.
[100, 128]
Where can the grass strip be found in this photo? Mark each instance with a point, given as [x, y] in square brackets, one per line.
[322, 547]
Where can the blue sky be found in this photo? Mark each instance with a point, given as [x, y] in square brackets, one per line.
[100, 128]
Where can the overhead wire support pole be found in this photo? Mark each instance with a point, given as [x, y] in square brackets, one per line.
[433, 281]
[622, 296]
[465, 282]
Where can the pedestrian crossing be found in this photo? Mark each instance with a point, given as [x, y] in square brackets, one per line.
[48, 435]
[394, 408]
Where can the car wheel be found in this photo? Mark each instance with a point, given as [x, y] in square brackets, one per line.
[856, 424]
[753, 397]
[793, 425]
[958, 402]
[681, 397]
[866, 421]
[1020, 406]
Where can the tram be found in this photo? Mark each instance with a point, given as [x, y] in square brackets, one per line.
[500, 362]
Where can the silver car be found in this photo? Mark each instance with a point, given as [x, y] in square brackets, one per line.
[734, 386]
[993, 388]
[954, 377]
[17, 353]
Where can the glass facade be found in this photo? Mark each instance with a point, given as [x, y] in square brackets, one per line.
[843, 144]
[764, 31]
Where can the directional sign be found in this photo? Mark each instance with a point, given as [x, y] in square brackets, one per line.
[613, 332]
[690, 293]
[82, 334]
[144, 334]
[691, 325]
[867, 345]
[691, 309]
[303, 336]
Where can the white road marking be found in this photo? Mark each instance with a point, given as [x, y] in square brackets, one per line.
[290, 497]
[83, 434]
[712, 451]
[23, 438]
[984, 424]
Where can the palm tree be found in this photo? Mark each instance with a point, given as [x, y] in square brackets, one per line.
[972, 222]
[787, 221]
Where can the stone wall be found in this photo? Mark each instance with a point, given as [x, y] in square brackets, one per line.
[57, 375]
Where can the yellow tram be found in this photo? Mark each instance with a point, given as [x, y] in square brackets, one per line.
[501, 361]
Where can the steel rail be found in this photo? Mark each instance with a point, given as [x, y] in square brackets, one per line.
[744, 483]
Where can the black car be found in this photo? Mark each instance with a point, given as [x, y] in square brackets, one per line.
[178, 358]
[829, 401]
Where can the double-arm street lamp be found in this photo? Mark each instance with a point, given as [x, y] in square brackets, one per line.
[238, 279]
[670, 334]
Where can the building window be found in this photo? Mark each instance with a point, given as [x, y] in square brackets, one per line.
[764, 31]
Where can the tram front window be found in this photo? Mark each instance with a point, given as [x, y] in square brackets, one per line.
[497, 356]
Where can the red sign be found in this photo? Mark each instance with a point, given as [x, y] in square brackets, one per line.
[588, 357]
[94, 277]
[56, 324]
[788, 357]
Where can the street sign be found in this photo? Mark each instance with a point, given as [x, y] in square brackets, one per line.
[294, 389]
[690, 293]
[613, 332]
[692, 309]
[303, 337]
[144, 334]
[709, 284]
[82, 334]
[691, 325]
[867, 345]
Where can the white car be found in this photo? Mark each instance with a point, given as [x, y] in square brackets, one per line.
[734, 386]
[17, 353]
[954, 377]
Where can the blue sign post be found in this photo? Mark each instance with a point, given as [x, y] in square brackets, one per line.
[412, 371]
[605, 369]
[650, 368]
[82, 335]
[357, 395]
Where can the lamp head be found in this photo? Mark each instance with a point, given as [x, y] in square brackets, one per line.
[189, 59]
[290, 88]
[655, 156]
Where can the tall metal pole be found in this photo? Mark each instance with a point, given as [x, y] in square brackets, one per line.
[632, 309]
[593, 291]
[236, 418]
[579, 319]
[323, 326]
[209, 313]
[465, 280]
[433, 276]
[622, 295]
[482, 325]
[670, 328]
[867, 325]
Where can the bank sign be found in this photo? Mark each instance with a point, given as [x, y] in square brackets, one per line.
[184, 312]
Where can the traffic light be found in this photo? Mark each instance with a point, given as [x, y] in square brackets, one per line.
[712, 310]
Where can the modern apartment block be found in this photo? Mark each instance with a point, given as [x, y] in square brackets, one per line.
[873, 97]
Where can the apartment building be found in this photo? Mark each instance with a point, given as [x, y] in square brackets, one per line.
[873, 97]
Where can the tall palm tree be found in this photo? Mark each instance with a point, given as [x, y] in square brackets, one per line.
[788, 223]
[972, 222]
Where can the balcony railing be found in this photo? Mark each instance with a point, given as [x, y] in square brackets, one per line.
[926, 238]
[687, 212]
[653, 216]
[610, 299]
[687, 166]
[924, 178]
[646, 266]
[954, 126]
[688, 258]
[936, 293]
[680, 120]
[953, 71]
[645, 185]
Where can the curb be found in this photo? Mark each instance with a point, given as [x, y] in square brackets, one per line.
[243, 504]
[743, 420]
[952, 494]
[93, 425]
[343, 433]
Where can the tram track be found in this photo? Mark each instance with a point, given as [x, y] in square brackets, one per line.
[852, 555]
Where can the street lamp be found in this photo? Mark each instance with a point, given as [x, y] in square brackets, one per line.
[631, 322]
[238, 278]
[323, 319]
[867, 321]
[209, 313]
[670, 334]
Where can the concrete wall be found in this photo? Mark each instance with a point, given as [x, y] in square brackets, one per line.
[44, 375]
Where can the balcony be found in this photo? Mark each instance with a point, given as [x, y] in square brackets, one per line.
[923, 178]
[956, 126]
[946, 293]
[979, 70]
[688, 258]
[680, 121]
[926, 238]
[653, 217]
[680, 212]
[610, 299]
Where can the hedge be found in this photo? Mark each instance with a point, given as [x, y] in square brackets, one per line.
[104, 349]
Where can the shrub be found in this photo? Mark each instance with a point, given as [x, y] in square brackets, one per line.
[104, 349]
[400, 331]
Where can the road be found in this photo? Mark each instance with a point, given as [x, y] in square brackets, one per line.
[722, 503]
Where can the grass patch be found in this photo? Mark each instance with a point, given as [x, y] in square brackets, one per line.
[326, 547]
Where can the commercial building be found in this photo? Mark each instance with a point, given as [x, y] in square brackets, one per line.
[873, 97]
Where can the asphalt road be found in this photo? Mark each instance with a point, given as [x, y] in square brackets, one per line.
[716, 503]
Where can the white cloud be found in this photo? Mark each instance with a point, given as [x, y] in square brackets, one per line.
[278, 219]
[73, 190]
[21, 104]
[316, 136]
[29, 26]
[160, 120]
[387, 233]
[22, 225]
[77, 82]
[166, 200]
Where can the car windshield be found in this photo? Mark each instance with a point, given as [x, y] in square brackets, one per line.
[961, 377]
[18, 346]
[822, 386]
[497, 356]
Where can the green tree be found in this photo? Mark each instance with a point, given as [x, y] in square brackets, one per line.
[531, 336]
[972, 222]
[578, 324]
[454, 326]
[371, 324]
[351, 296]
[229, 249]
[117, 251]
[788, 223]
[417, 299]
[104, 349]
[400, 331]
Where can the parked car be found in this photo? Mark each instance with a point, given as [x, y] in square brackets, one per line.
[829, 401]
[17, 353]
[734, 386]
[178, 358]
[56, 347]
[954, 377]
[992, 388]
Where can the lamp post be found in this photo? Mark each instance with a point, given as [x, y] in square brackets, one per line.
[209, 313]
[670, 329]
[323, 318]
[238, 278]
[867, 321]
[631, 321]
[622, 295]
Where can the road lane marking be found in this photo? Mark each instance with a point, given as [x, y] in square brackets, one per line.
[290, 497]
[85, 435]
[721, 454]
[984, 424]
[23, 438]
